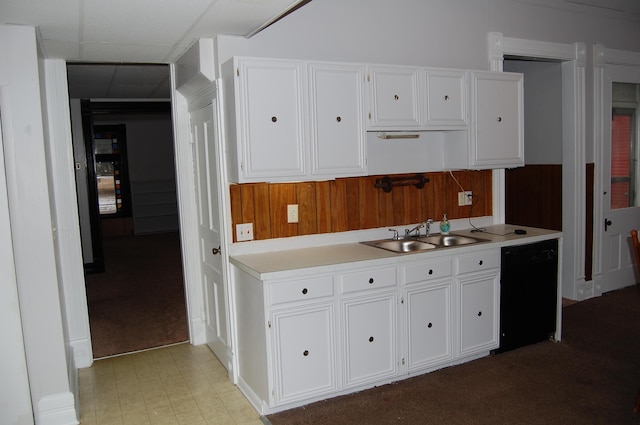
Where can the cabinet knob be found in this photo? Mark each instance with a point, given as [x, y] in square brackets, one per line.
[274, 119]
[480, 262]
[499, 119]
[396, 97]
[304, 291]
[479, 313]
[430, 271]
[446, 97]
[370, 339]
[370, 280]
[305, 353]
[338, 118]
[430, 325]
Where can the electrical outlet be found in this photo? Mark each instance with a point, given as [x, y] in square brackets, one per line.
[244, 232]
[465, 198]
[292, 213]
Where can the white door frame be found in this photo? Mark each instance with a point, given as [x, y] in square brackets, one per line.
[602, 56]
[573, 60]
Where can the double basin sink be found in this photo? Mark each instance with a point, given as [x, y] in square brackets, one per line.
[423, 243]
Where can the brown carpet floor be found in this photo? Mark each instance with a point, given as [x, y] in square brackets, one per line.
[138, 302]
[591, 377]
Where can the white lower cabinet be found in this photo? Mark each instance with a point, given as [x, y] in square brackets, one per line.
[428, 316]
[314, 336]
[478, 282]
[369, 338]
[304, 352]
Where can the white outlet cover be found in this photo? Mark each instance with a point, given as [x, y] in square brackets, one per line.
[244, 232]
[292, 213]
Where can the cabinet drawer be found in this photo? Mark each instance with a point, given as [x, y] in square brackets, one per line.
[301, 289]
[368, 279]
[478, 261]
[425, 271]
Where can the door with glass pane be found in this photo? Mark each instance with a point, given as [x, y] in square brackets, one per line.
[621, 209]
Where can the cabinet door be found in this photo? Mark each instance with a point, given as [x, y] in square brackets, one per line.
[270, 119]
[303, 342]
[395, 97]
[497, 139]
[369, 338]
[446, 95]
[429, 325]
[337, 120]
[478, 313]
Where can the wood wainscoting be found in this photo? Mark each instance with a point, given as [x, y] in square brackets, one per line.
[355, 203]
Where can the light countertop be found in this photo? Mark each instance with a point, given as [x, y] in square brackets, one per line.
[290, 263]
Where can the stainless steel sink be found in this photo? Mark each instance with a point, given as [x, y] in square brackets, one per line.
[401, 245]
[449, 240]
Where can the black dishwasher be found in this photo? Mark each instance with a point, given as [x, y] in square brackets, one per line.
[528, 294]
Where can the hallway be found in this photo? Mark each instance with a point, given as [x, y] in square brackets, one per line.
[177, 385]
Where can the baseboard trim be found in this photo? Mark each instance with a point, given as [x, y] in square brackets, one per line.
[82, 353]
[198, 335]
[57, 409]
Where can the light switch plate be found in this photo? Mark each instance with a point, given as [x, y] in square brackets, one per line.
[244, 232]
[292, 213]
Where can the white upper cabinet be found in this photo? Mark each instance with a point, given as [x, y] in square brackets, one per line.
[270, 119]
[446, 98]
[297, 121]
[394, 98]
[337, 120]
[497, 117]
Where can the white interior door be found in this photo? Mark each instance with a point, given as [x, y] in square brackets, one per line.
[212, 251]
[621, 209]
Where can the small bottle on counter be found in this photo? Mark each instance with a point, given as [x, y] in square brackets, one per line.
[444, 225]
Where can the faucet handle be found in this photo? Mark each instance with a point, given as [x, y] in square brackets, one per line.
[395, 234]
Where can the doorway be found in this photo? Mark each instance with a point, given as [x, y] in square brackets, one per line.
[136, 300]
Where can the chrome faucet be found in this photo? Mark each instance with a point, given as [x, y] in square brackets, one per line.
[426, 224]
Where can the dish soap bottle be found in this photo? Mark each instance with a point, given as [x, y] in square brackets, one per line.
[444, 225]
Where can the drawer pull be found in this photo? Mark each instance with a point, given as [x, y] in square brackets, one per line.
[396, 97]
[338, 118]
[479, 313]
[480, 262]
[305, 353]
[370, 280]
[430, 325]
[274, 119]
[430, 271]
[446, 97]
[370, 339]
[304, 291]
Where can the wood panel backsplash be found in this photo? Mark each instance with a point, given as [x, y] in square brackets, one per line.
[355, 203]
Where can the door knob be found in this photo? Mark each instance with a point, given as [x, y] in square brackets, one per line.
[607, 223]
[216, 251]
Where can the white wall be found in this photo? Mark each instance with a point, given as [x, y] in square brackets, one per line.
[542, 110]
[442, 33]
[31, 228]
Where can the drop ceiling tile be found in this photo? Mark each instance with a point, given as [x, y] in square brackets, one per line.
[56, 20]
[101, 52]
[159, 22]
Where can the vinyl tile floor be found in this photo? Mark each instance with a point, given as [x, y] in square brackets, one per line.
[176, 385]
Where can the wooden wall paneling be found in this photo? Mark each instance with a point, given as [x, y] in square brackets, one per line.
[339, 205]
[385, 207]
[368, 203]
[307, 209]
[281, 195]
[464, 179]
[353, 204]
[248, 206]
[323, 206]
[533, 196]
[236, 207]
[487, 197]
[262, 212]
[439, 189]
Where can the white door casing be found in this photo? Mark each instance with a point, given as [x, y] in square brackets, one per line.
[616, 255]
[206, 154]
